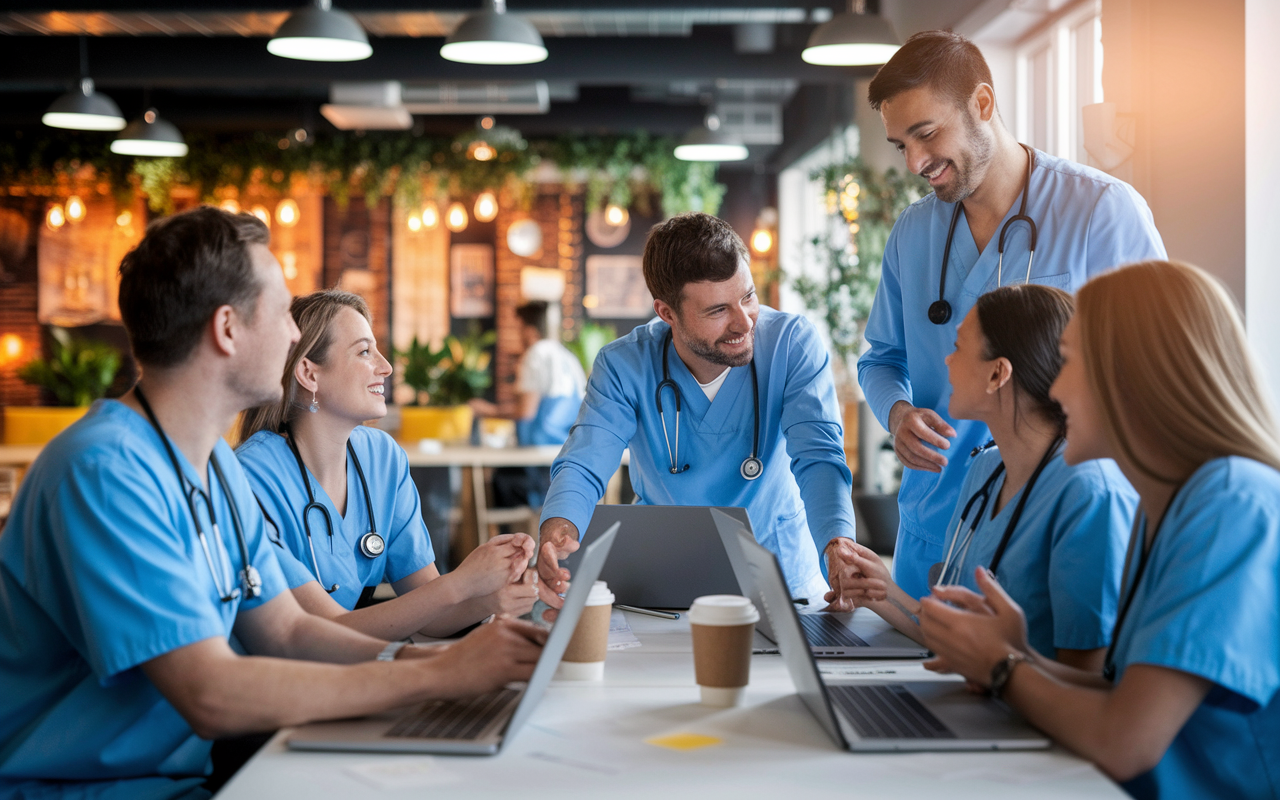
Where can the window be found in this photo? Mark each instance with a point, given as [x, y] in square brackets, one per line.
[1059, 71]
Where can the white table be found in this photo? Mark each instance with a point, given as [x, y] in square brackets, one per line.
[587, 740]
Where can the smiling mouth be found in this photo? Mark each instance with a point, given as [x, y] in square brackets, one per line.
[378, 389]
[735, 342]
[936, 172]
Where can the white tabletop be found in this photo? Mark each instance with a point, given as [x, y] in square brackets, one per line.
[588, 740]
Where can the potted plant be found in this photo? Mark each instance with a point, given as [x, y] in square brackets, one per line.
[443, 380]
[77, 372]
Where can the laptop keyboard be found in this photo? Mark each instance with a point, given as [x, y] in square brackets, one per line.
[888, 712]
[824, 630]
[454, 719]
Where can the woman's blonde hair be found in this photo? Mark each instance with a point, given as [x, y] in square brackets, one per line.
[1166, 354]
[314, 315]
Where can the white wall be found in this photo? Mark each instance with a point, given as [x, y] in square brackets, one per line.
[1262, 171]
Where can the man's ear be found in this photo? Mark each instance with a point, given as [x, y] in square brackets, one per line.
[665, 312]
[224, 329]
[1001, 374]
[305, 374]
[983, 102]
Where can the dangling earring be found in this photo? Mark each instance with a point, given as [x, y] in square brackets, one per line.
[315, 406]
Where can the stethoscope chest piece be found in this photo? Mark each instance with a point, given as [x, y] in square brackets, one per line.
[939, 312]
[372, 544]
[751, 468]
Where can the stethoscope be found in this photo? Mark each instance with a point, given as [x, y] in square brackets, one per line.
[752, 467]
[250, 580]
[959, 550]
[371, 544]
[1109, 664]
[940, 310]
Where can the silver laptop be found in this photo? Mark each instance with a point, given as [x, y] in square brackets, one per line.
[664, 557]
[883, 715]
[857, 634]
[480, 726]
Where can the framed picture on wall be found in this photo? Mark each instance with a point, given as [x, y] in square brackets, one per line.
[616, 289]
[471, 280]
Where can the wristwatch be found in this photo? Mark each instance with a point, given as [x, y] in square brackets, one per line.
[389, 652]
[1002, 671]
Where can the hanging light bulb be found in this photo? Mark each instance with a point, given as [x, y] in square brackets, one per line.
[124, 218]
[261, 212]
[414, 223]
[230, 206]
[486, 207]
[480, 150]
[616, 215]
[709, 143]
[761, 241]
[287, 212]
[431, 216]
[55, 217]
[10, 347]
[854, 38]
[456, 218]
[75, 208]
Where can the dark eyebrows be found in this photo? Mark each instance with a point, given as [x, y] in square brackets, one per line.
[718, 306]
[912, 130]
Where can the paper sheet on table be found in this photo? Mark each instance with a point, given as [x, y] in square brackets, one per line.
[873, 671]
[620, 635]
[403, 773]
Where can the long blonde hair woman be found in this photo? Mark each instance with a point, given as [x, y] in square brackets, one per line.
[1158, 375]
[339, 493]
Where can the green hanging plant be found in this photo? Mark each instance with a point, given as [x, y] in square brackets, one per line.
[77, 371]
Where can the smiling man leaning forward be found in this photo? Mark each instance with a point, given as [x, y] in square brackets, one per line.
[711, 334]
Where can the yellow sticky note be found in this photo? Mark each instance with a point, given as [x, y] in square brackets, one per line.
[684, 741]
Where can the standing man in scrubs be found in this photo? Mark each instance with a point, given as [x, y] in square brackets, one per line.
[135, 548]
[745, 412]
[1000, 214]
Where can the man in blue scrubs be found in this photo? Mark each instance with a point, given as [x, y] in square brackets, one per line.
[936, 99]
[135, 548]
[711, 334]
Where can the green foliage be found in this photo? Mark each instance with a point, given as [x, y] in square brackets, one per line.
[851, 271]
[77, 371]
[452, 374]
[628, 170]
[591, 337]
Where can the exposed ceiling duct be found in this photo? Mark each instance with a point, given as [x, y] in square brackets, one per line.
[477, 97]
[367, 106]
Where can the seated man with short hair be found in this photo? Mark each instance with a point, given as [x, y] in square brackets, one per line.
[135, 549]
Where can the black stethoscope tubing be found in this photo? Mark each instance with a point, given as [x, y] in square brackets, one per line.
[985, 495]
[1108, 664]
[940, 309]
[250, 580]
[752, 467]
[371, 544]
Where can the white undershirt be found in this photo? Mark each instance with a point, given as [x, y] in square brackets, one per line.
[713, 388]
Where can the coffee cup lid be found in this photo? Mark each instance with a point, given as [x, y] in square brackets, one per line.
[723, 609]
[600, 595]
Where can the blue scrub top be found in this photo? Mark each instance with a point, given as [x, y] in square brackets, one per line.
[1209, 605]
[1089, 222]
[101, 571]
[802, 497]
[550, 424]
[273, 473]
[1063, 561]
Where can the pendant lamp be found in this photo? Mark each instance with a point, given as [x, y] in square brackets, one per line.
[320, 32]
[493, 37]
[150, 136]
[708, 143]
[83, 109]
[852, 39]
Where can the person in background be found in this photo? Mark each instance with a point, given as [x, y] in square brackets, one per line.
[549, 387]
[1029, 217]
[721, 403]
[135, 548]
[1157, 374]
[1053, 534]
[339, 496]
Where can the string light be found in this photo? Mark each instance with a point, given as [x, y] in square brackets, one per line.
[75, 208]
[456, 218]
[10, 347]
[480, 150]
[486, 208]
[415, 223]
[616, 215]
[55, 218]
[230, 206]
[287, 212]
[125, 218]
[431, 216]
[761, 241]
[261, 212]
